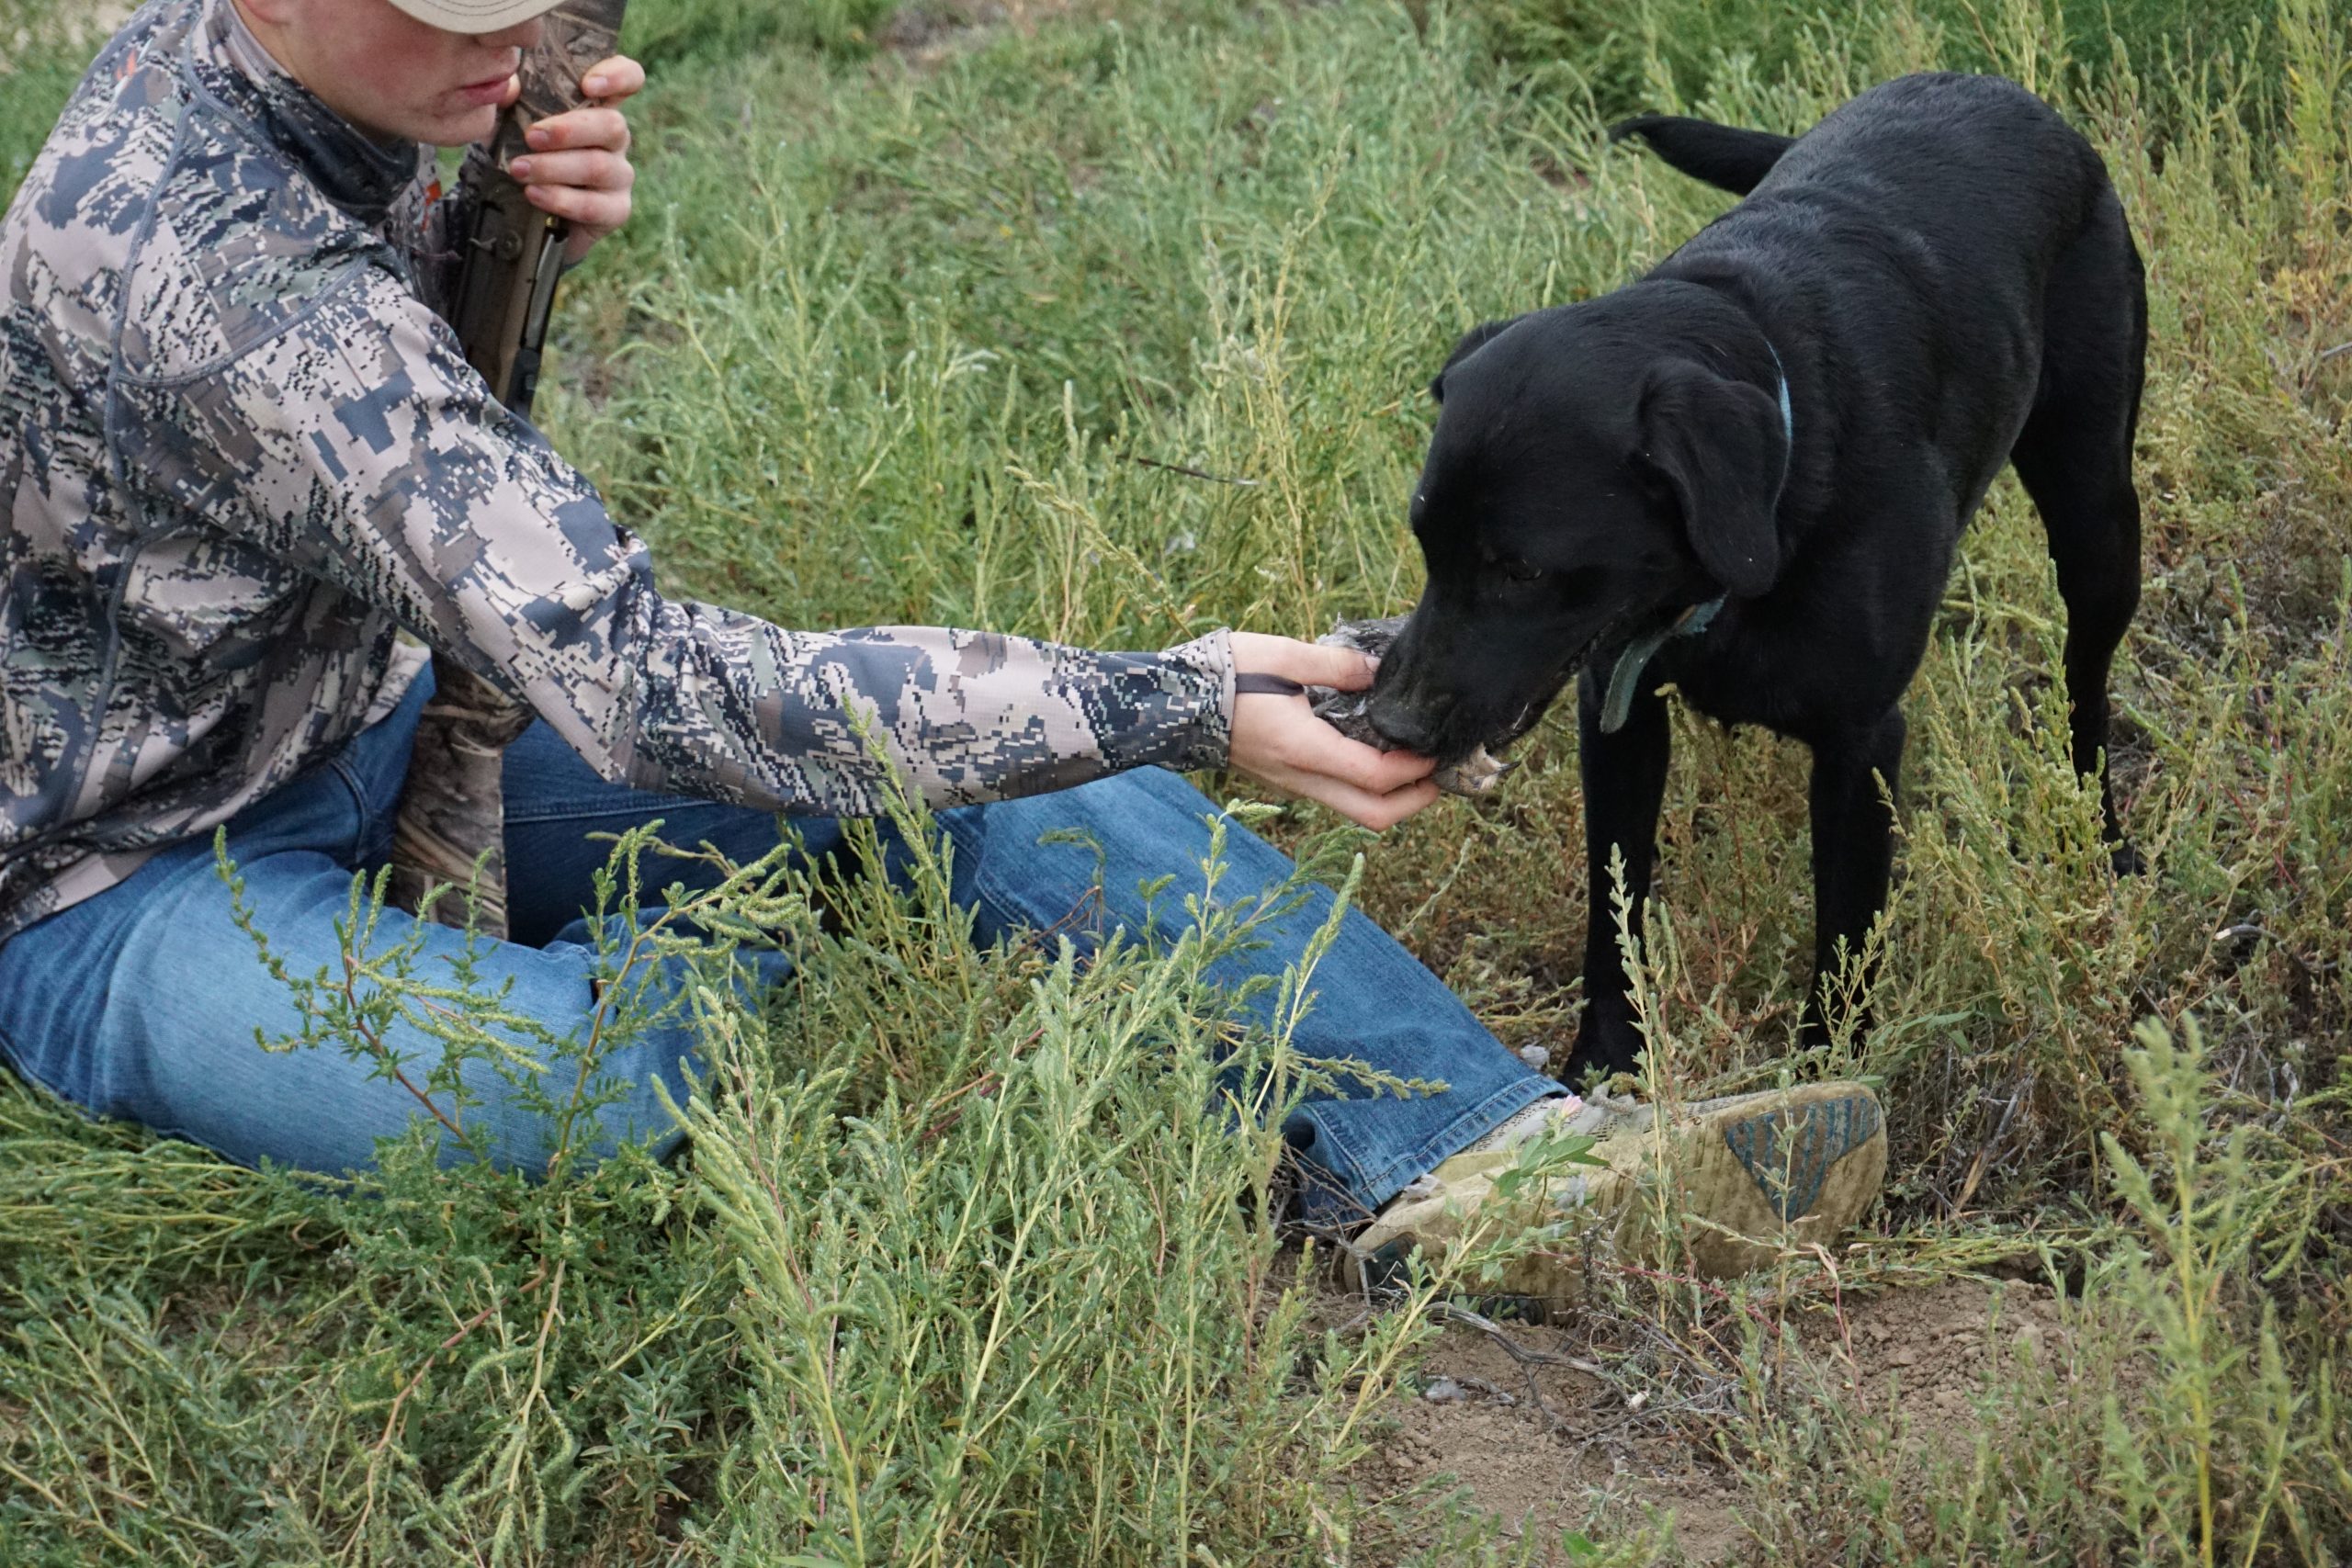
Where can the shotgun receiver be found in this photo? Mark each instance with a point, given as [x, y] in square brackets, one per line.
[452, 816]
[510, 252]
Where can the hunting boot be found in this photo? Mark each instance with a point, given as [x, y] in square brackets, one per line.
[1757, 1175]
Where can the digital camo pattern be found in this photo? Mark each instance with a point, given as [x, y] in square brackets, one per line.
[450, 831]
[240, 454]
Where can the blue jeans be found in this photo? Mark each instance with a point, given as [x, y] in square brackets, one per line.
[143, 1002]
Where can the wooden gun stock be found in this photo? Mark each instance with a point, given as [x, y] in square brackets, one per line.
[452, 809]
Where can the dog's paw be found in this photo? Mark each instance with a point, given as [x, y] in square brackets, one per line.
[1604, 1047]
[2127, 860]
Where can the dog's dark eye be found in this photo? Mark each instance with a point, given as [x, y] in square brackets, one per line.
[1520, 570]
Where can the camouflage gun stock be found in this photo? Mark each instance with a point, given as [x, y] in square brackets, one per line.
[452, 813]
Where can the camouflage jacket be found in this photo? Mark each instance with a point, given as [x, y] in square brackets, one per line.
[240, 455]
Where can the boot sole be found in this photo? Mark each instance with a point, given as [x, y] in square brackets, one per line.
[1761, 1174]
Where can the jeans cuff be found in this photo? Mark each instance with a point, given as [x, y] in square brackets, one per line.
[1350, 1191]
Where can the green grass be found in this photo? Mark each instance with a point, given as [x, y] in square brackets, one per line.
[959, 1270]
[42, 56]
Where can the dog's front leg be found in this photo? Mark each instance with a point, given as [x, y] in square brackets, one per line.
[1853, 849]
[1625, 778]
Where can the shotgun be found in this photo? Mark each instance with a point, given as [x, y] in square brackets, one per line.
[452, 816]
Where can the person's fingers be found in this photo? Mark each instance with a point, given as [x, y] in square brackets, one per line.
[1283, 731]
[513, 91]
[610, 81]
[1373, 808]
[1347, 668]
[576, 129]
[581, 171]
[1308, 662]
[1398, 804]
[590, 212]
[1277, 741]
[1377, 812]
[584, 178]
[1317, 748]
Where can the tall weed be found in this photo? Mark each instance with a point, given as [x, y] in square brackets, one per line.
[1118, 332]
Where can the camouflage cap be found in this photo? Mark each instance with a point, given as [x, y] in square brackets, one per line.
[475, 16]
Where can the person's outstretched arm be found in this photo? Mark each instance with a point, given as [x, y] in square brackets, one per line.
[359, 446]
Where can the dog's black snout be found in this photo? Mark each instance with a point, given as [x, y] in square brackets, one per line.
[1403, 709]
[1401, 724]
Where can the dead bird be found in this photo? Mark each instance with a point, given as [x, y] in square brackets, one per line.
[1474, 775]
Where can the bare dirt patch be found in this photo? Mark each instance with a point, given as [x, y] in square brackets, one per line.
[1928, 1351]
[1541, 1471]
[1551, 1447]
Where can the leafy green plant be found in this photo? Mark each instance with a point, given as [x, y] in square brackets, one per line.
[2213, 1461]
[690, 33]
[1116, 330]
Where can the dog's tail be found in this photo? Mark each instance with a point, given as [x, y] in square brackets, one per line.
[1722, 156]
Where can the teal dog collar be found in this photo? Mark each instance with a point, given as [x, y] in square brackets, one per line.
[1625, 680]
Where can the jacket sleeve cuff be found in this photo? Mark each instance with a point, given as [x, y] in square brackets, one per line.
[1208, 662]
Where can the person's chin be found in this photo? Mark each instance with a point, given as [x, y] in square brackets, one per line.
[457, 126]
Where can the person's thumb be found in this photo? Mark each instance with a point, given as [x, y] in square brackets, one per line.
[1310, 663]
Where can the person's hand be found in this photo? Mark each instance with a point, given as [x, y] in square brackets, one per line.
[1279, 741]
[578, 167]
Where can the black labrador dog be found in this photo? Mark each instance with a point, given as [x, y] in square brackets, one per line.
[1746, 474]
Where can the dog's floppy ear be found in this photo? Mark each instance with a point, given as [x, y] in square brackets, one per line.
[1474, 340]
[1722, 448]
